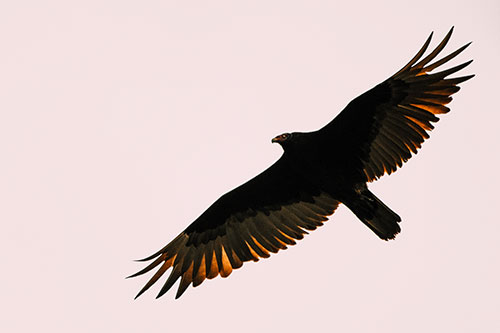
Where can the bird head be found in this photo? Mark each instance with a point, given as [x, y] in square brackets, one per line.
[282, 138]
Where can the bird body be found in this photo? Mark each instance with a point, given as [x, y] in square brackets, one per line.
[375, 134]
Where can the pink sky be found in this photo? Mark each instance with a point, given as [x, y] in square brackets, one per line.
[122, 121]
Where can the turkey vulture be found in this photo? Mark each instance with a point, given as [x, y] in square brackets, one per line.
[319, 170]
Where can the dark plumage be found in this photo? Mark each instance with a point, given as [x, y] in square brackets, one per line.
[373, 135]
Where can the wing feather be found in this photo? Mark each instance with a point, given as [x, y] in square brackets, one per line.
[211, 269]
[201, 274]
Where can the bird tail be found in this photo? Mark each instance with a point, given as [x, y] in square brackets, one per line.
[375, 215]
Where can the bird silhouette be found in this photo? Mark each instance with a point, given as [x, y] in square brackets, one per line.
[374, 135]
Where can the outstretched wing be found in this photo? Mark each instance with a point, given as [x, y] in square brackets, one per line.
[383, 127]
[260, 217]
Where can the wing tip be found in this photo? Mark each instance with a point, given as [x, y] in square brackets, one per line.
[179, 293]
[151, 256]
[139, 294]
[161, 293]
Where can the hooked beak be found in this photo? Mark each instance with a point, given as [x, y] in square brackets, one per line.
[277, 139]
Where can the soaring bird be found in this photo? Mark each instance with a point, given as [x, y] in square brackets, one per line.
[375, 134]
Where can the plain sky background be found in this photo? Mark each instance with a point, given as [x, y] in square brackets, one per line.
[122, 121]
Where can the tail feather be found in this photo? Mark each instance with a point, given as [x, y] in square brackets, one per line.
[375, 215]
